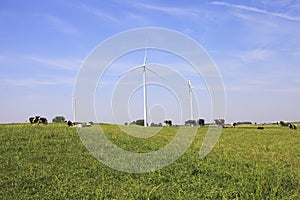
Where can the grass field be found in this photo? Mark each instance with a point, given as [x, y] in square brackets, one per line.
[50, 162]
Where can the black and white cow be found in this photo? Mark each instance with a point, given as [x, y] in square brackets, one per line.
[70, 124]
[78, 125]
[43, 120]
[292, 126]
[234, 124]
[34, 120]
[38, 119]
[168, 122]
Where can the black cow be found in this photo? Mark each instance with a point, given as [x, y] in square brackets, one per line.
[201, 122]
[260, 127]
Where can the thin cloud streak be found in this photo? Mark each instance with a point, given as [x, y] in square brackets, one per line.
[98, 13]
[285, 90]
[59, 24]
[65, 64]
[257, 10]
[169, 10]
[34, 83]
[257, 55]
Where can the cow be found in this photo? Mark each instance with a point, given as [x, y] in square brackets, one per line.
[70, 124]
[34, 120]
[37, 120]
[31, 120]
[43, 120]
[260, 128]
[234, 124]
[292, 126]
[201, 122]
[78, 125]
[168, 122]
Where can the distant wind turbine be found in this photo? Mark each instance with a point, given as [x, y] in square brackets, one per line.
[74, 108]
[191, 100]
[145, 68]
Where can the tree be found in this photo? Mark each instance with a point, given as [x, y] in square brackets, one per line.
[132, 123]
[58, 119]
[140, 122]
[282, 123]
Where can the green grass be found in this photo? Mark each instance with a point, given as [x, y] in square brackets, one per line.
[50, 162]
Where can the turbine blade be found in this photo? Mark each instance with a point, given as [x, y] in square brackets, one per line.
[145, 56]
[154, 73]
[131, 70]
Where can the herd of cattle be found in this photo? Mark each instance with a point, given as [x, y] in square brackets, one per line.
[43, 120]
[201, 122]
[290, 125]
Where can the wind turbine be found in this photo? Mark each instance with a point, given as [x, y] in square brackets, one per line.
[145, 68]
[145, 89]
[74, 108]
[191, 100]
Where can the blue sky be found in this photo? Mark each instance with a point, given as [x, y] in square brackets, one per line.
[255, 45]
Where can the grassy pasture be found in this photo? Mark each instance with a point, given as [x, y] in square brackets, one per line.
[50, 162]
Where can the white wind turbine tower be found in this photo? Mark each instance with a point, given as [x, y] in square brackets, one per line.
[145, 68]
[191, 100]
[74, 109]
[145, 91]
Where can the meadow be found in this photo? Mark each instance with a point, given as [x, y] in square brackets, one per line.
[50, 162]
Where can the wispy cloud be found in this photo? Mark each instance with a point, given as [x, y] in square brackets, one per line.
[257, 10]
[261, 88]
[285, 90]
[98, 13]
[169, 10]
[241, 88]
[260, 82]
[137, 18]
[257, 55]
[17, 82]
[65, 64]
[59, 24]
